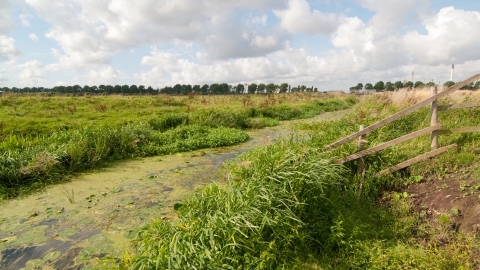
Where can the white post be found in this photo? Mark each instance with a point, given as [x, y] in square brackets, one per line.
[451, 76]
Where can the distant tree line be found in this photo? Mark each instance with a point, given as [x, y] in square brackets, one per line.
[178, 89]
[389, 86]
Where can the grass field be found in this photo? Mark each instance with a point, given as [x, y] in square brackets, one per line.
[290, 206]
[46, 138]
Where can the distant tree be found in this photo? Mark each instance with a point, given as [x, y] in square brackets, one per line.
[271, 88]
[133, 89]
[430, 84]
[205, 88]
[398, 85]
[224, 88]
[469, 86]
[196, 88]
[86, 88]
[150, 90]
[141, 89]
[240, 88]
[215, 88]
[419, 84]
[315, 90]
[125, 89]
[76, 88]
[167, 90]
[109, 88]
[359, 86]
[177, 89]
[408, 84]
[283, 87]
[389, 86]
[477, 85]
[261, 88]
[379, 86]
[449, 84]
[368, 86]
[252, 88]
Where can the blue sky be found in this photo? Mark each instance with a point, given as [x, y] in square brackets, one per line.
[329, 44]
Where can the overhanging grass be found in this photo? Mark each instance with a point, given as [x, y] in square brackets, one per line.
[274, 210]
[28, 163]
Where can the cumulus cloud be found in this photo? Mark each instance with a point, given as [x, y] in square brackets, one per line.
[221, 41]
[90, 32]
[6, 23]
[299, 18]
[7, 48]
[3, 76]
[453, 36]
[105, 75]
[33, 37]
[32, 73]
[168, 68]
[260, 20]
[25, 19]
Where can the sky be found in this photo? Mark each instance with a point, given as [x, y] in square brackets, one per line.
[328, 44]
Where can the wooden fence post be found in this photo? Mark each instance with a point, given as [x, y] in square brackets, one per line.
[361, 165]
[434, 120]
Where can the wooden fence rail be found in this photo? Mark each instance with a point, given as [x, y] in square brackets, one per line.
[402, 113]
[434, 129]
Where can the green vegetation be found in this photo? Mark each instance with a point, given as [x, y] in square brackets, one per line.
[45, 139]
[290, 206]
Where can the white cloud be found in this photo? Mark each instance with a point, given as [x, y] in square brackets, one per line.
[8, 49]
[25, 19]
[3, 76]
[390, 15]
[31, 73]
[453, 36]
[265, 43]
[90, 32]
[260, 20]
[105, 75]
[6, 23]
[298, 18]
[33, 37]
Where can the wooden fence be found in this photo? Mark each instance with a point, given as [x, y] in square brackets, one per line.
[435, 130]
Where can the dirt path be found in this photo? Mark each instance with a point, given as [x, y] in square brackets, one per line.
[68, 226]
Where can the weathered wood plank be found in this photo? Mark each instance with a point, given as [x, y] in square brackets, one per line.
[402, 113]
[459, 106]
[434, 121]
[458, 130]
[416, 160]
[390, 143]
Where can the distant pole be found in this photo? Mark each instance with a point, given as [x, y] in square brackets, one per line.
[451, 76]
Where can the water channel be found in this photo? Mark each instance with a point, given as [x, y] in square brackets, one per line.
[71, 225]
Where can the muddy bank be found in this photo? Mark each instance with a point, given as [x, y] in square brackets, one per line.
[69, 226]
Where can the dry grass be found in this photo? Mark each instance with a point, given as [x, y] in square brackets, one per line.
[407, 96]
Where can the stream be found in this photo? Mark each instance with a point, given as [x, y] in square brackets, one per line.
[71, 225]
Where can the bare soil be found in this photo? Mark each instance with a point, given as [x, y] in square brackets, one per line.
[456, 194]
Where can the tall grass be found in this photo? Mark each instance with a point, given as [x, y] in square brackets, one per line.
[28, 163]
[33, 160]
[289, 206]
[273, 210]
